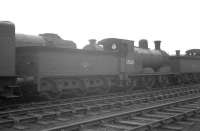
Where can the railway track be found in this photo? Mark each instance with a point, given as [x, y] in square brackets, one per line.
[60, 101]
[176, 115]
[42, 117]
[86, 100]
[81, 99]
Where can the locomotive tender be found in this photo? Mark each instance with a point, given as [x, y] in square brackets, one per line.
[57, 68]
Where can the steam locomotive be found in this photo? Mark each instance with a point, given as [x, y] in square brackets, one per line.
[50, 67]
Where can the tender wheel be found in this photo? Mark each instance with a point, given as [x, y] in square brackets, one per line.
[149, 83]
[48, 89]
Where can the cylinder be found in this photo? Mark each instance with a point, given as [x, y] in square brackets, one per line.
[177, 52]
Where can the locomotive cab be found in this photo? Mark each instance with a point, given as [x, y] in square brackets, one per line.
[117, 45]
[193, 52]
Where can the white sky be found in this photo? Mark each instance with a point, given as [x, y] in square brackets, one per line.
[175, 22]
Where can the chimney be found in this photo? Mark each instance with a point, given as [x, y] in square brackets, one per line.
[92, 41]
[143, 44]
[157, 44]
[131, 45]
[177, 52]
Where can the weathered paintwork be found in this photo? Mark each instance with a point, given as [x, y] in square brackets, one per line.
[7, 49]
[76, 63]
[185, 64]
[47, 61]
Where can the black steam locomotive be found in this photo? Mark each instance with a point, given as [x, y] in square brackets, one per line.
[48, 66]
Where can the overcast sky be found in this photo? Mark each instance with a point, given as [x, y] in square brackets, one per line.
[175, 22]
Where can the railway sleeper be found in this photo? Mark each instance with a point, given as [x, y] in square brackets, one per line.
[93, 108]
[6, 123]
[171, 128]
[105, 106]
[132, 122]
[190, 106]
[181, 109]
[178, 125]
[65, 112]
[46, 122]
[142, 118]
[127, 103]
[194, 119]
[80, 110]
[185, 123]
[111, 126]
[154, 116]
